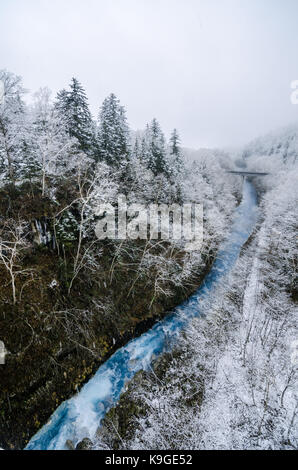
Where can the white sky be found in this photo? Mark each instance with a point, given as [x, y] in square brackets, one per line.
[218, 70]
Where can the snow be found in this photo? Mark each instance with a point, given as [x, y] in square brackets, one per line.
[80, 416]
[239, 358]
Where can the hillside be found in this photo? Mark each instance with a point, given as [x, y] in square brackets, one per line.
[68, 299]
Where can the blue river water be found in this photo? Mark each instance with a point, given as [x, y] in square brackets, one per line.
[80, 416]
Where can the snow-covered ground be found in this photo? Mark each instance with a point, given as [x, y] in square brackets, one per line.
[80, 417]
[233, 384]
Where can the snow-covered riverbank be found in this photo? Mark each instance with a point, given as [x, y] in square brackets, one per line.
[80, 417]
[232, 380]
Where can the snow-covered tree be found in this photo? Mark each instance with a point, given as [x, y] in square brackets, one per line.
[12, 128]
[74, 109]
[137, 148]
[176, 159]
[113, 132]
[280, 146]
[176, 164]
[93, 188]
[53, 151]
[156, 155]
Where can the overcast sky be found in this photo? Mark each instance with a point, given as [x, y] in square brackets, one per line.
[218, 70]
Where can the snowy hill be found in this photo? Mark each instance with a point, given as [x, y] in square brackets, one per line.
[281, 145]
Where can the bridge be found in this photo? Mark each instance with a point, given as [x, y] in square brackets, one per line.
[247, 173]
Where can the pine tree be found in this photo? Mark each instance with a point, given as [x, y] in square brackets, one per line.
[176, 165]
[113, 135]
[137, 149]
[73, 107]
[29, 167]
[156, 149]
[61, 105]
[175, 143]
[176, 161]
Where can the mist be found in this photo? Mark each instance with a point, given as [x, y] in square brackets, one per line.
[217, 70]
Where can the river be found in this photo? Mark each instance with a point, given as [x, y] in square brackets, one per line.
[80, 416]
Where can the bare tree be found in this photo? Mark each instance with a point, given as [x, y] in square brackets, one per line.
[93, 188]
[13, 244]
[11, 123]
